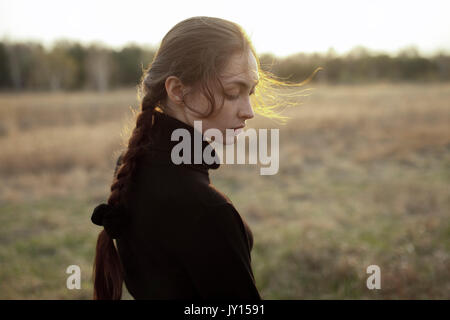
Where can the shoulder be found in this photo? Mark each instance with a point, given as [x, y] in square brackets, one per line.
[192, 197]
[224, 217]
[184, 185]
[208, 195]
[179, 190]
[219, 229]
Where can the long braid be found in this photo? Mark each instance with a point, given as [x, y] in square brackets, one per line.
[139, 139]
[108, 269]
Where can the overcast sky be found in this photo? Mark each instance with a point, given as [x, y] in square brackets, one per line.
[281, 27]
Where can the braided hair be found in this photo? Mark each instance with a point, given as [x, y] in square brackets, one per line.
[105, 277]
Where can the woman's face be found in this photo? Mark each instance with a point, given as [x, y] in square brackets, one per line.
[239, 80]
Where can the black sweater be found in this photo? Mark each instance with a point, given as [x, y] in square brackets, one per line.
[186, 240]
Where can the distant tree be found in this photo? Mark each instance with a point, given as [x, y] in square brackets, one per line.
[98, 67]
[77, 53]
[20, 59]
[69, 65]
[128, 63]
[62, 67]
[5, 76]
[442, 62]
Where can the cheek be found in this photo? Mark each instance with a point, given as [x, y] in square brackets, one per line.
[211, 124]
[228, 113]
[222, 117]
[199, 103]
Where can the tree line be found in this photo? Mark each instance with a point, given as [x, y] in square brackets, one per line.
[70, 65]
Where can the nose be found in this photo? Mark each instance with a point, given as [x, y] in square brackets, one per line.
[246, 111]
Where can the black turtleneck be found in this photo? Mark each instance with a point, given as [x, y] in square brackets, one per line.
[185, 238]
[162, 132]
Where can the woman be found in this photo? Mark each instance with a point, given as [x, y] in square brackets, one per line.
[177, 236]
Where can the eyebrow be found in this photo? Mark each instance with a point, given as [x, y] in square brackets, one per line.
[243, 83]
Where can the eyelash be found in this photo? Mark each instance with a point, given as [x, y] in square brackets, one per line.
[230, 97]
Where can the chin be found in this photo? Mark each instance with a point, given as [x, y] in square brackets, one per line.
[225, 140]
[229, 143]
[230, 140]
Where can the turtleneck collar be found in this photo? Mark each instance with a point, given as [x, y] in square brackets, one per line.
[163, 127]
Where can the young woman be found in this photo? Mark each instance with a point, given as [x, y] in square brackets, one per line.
[177, 236]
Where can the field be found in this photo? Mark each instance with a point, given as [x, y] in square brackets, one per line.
[363, 179]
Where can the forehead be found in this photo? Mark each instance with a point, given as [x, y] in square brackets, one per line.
[241, 68]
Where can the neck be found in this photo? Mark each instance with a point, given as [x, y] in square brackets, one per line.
[162, 131]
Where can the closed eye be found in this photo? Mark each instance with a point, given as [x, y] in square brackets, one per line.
[234, 97]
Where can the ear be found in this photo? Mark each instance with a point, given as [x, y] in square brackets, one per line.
[175, 89]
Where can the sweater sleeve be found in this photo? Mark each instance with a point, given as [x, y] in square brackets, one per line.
[216, 256]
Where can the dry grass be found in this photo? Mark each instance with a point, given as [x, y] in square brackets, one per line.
[363, 179]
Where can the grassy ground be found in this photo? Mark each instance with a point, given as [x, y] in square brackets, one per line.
[363, 179]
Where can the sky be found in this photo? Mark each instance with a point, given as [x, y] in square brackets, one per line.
[281, 27]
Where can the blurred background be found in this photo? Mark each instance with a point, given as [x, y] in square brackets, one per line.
[364, 160]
